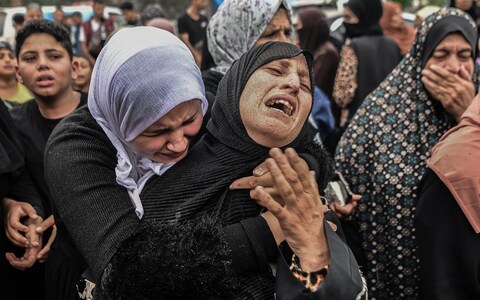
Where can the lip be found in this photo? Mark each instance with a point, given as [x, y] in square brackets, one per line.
[9, 67]
[172, 156]
[44, 80]
[285, 97]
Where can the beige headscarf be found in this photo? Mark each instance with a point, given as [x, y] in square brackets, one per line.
[456, 161]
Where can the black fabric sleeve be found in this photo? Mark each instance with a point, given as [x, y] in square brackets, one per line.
[448, 247]
[252, 245]
[182, 24]
[343, 280]
[23, 189]
[80, 171]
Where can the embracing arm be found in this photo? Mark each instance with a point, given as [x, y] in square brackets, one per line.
[80, 172]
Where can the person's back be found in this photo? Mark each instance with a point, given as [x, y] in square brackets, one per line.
[377, 56]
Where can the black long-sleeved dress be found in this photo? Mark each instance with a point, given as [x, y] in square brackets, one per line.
[448, 247]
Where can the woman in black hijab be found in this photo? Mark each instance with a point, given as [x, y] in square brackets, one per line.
[238, 139]
[366, 59]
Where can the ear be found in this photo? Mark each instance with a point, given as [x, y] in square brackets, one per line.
[17, 74]
[75, 67]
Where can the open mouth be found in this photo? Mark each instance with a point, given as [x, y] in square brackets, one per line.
[44, 78]
[281, 105]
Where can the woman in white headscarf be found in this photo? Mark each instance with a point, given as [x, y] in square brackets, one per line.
[146, 100]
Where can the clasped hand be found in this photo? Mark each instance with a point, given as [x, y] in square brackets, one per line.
[289, 191]
[28, 235]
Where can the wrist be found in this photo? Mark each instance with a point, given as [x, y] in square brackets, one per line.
[311, 279]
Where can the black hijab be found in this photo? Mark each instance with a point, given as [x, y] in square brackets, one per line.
[315, 30]
[369, 13]
[447, 25]
[199, 183]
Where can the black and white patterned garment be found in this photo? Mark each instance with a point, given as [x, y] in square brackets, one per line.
[383, 155]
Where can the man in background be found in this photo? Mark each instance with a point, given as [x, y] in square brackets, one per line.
[130, 14]
[97, 30]
[192, 28]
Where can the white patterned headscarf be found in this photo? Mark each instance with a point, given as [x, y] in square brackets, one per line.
[236, 27]
[140, 75]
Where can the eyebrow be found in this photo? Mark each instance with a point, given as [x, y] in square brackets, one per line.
[285, 63]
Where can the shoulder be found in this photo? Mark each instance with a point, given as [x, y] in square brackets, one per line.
[23, 111]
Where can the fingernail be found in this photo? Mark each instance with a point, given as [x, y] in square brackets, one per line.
[258, 171]
[34, 216]
[38, 229]
[434, 66]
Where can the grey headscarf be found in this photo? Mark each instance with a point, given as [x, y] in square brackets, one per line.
[236, 27]
[140, 75]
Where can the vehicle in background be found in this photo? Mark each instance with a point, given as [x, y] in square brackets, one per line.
[6, 27]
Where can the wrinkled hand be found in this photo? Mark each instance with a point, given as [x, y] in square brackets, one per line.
[31, 251]
[49, 222]
[301, 218]
[454, 91]
[14, 229]
[345, 211]
[261, 177]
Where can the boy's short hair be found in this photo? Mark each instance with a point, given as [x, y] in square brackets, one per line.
[58, 32]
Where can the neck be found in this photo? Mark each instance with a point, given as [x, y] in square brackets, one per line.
[193, 11]
[8, 84]
[58, 107]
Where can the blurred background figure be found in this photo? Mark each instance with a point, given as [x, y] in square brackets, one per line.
[10, 88]
[77, 34]
[34, 12]
[162, 23]
[367, 58]
[17, 22]
[97, 30]
[151, 11]
[192, 28]
[59, 15]
[85, 67]
[395, 27]
[313, 34]
[130, 14]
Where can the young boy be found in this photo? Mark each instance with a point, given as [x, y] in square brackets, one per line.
[46, 68]
[10, 88]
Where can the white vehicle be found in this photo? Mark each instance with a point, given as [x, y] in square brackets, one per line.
[6, 28]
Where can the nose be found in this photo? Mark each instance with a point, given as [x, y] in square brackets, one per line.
[453, 64]
[282, 37]
[177, 142]
[292, 83]
[42, 62]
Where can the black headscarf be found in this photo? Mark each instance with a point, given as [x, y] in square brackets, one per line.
[447, 25]
[11, 155]
[200, 182]
[315, 30]
[369, 13]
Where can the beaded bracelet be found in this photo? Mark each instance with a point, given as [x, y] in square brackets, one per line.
[311, 280]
